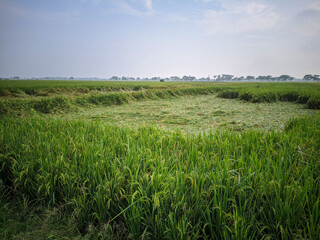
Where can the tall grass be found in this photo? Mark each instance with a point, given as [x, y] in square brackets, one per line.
[166, 185]
[44, 105]
[16, 88]
[271, 92]
[61, 96]
[62, 103]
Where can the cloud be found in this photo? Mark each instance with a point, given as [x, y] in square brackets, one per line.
[307, 21]
[172, 17]
[96, 1]
[240, 18]
[315, 5]
[134, 7]
[148, 4]
[18, 11]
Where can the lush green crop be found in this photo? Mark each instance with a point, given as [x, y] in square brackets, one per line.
[147, 183]
[23, 88]
[52, 96]
[271, 92]
[155, 184]
[62, 103]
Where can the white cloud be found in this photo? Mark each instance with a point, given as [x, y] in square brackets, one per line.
[134, 7]
[307, 21]
[171, 17]
[315, 5]
[17, 10]
[239, 18]
[148, 4]
[96, 1]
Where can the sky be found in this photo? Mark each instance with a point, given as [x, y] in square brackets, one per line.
[147, 38]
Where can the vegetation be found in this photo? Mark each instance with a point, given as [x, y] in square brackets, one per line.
[194, 114]
[70, 98]
[270, 92]
[43, 88]
[62, 103]
[165, 184]
[63, 177]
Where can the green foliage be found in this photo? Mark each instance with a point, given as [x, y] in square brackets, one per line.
[71, 93]
[303, 99]
[113, 182]
[109, 99]
[313, 103]
[246, 96]
[63, 103]
[46, 88]
[272, 92]
[229, 94]
[167, 185]
[48, 105]
[289, 96]
[265, 97]
[10, 107]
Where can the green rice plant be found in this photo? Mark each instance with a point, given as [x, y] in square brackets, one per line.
[139, 95]
[246, 96]
[48, 105]
[38, 88]
[136, 92]
[272, 92]
[3, 108]
[109, 99]
[9, 107]
[230, 94]
[4, 92]
[288, 96]
[150, 183]
[168, 185]
[82, 101]
[265, 97]
[313, 103]
[303, 99]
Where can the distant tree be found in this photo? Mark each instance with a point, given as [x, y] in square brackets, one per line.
[250, 78]
[115, 78]
[239, 79]
[188, 78]
[264, 78]
[175, 78]
[310, 77]
[225, 77]
[161, 80]
[285, 78]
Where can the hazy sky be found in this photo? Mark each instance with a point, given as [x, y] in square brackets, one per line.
[145, 38]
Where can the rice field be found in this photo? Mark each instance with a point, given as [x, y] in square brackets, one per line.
[194, 114]
[147, 164]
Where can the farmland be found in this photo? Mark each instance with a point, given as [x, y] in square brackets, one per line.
[143, 160]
